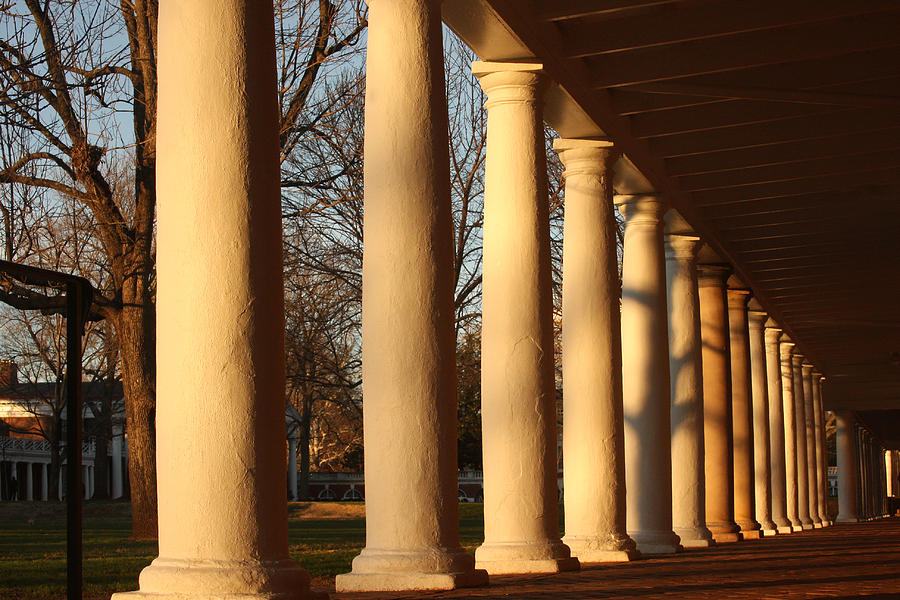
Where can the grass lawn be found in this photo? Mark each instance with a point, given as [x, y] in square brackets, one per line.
[324, 537]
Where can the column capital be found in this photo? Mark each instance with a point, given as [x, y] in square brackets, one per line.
[641, 209]
[681, 247]
[757, 317]
[712, 275]
[511, 82]
[737, 297]
[808, 367]
[583, 156]
[798, 359]
[773, 334]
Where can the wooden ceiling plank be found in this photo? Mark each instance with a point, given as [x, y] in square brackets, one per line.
[744, 50]
[562, 10]
[678, 23]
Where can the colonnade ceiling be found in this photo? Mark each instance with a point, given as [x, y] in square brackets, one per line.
[772, 127]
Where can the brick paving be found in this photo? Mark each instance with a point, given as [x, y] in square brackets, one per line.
[859, 560]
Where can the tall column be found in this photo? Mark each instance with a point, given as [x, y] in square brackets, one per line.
[686, 386]
[741, 414]
[117, 439]
[812, 458]
[645, 374]
[889, 474]
[776, 428]
[412, 533]
[790, 433]
[821, 459]
[29, 481]
[45, 481]
[717, 435]
[292, 465]
[220, 312]
[847, 467]
[802, 460]
[863, 474]
[762, 462]
[518, 390]
[593, 444]
[86, 481]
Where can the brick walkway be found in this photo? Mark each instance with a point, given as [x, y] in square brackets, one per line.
[841, 562]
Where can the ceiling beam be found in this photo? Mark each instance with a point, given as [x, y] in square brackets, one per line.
[562, 10]
[746, 50]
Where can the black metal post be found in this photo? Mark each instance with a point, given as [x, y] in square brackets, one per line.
[74, 330]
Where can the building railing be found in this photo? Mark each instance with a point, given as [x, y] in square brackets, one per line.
[39, 446]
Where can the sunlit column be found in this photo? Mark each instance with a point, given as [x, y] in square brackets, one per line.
[292, 465]
[802, 461]
[762, 460]
[518, 392]
[717, 435]
[220, 313]
[776, 428]
[593, 445]
[117, 490]
[741, 414]
[686, 385]
[645, 374]
[29, 481]
[847, 467]
[45, 481]
[409, 375]
[889, 474]
[821, 480]
[811, 456]
[863, 474]
[790, 432]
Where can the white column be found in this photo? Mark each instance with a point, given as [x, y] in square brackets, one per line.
[686, 375]
[741, 414]
[45, 481]
[220, 313]
[847, 467]
[802, 458]
[789, 412]
[776, 428]
[821, 460]
[60, 490]
[412, 531]
[717, 435]
[518, 391]
[812, 458]
[593, 445]
[292, 465]
[645, 374]
[29, 481]
[117, 488]
[762, 463]
[889, 474]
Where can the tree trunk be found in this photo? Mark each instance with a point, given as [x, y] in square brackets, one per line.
[303, 442]
[135, 329]
[101, 461]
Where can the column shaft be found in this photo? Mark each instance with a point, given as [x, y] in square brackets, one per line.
[802, 444]
[645, 373]
[412, 531]
[812, 459]
[117, 440]
[762, 462]
[821, 459]
[86, 481]
[686, 375]
[847, 467]
[717, 419]
[29, 481]
[518, 391]
[292, 466]
[593, 445]
[776, 428]
[741, 414]
[220, 312]
[790, 433]
[45, 481]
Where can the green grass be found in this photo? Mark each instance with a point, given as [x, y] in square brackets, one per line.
[33, 546]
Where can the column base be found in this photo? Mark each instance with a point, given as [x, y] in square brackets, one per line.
[695, 537]
[769, 532]
[181, 579]
[751, 534]
[656, 542]
[806, 527]
[818, 526]
[405, 570]
[498, 558]
[783, 529]
[796, 528]
[726, 538]
[602, 549]
[841, 519]
[398, 582]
